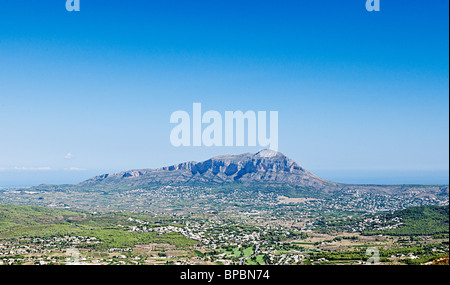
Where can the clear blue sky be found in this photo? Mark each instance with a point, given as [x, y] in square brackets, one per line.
[362, 97]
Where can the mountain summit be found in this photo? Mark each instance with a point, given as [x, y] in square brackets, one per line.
[267, 169]
[266, 166]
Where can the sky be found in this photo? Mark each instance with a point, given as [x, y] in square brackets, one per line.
[362, 97]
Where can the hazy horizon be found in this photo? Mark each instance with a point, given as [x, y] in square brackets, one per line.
[14, 178]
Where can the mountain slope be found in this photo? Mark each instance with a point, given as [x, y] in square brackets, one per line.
[265, 167]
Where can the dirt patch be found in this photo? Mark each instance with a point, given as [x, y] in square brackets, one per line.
[149, 248]
[287, 200]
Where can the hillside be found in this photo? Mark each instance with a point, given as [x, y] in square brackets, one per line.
[415, 221]
[424, 220]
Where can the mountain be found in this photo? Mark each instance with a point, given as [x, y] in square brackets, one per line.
[266, 167]
[249, 181]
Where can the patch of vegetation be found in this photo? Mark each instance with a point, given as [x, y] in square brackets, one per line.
[112, 229]
[424, 220]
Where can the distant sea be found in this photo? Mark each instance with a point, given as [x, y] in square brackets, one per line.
[16, 178]
[385, 177]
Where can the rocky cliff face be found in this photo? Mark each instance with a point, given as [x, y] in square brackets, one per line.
[266, 166]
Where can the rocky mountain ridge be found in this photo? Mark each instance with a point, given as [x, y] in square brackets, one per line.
[266, 166]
